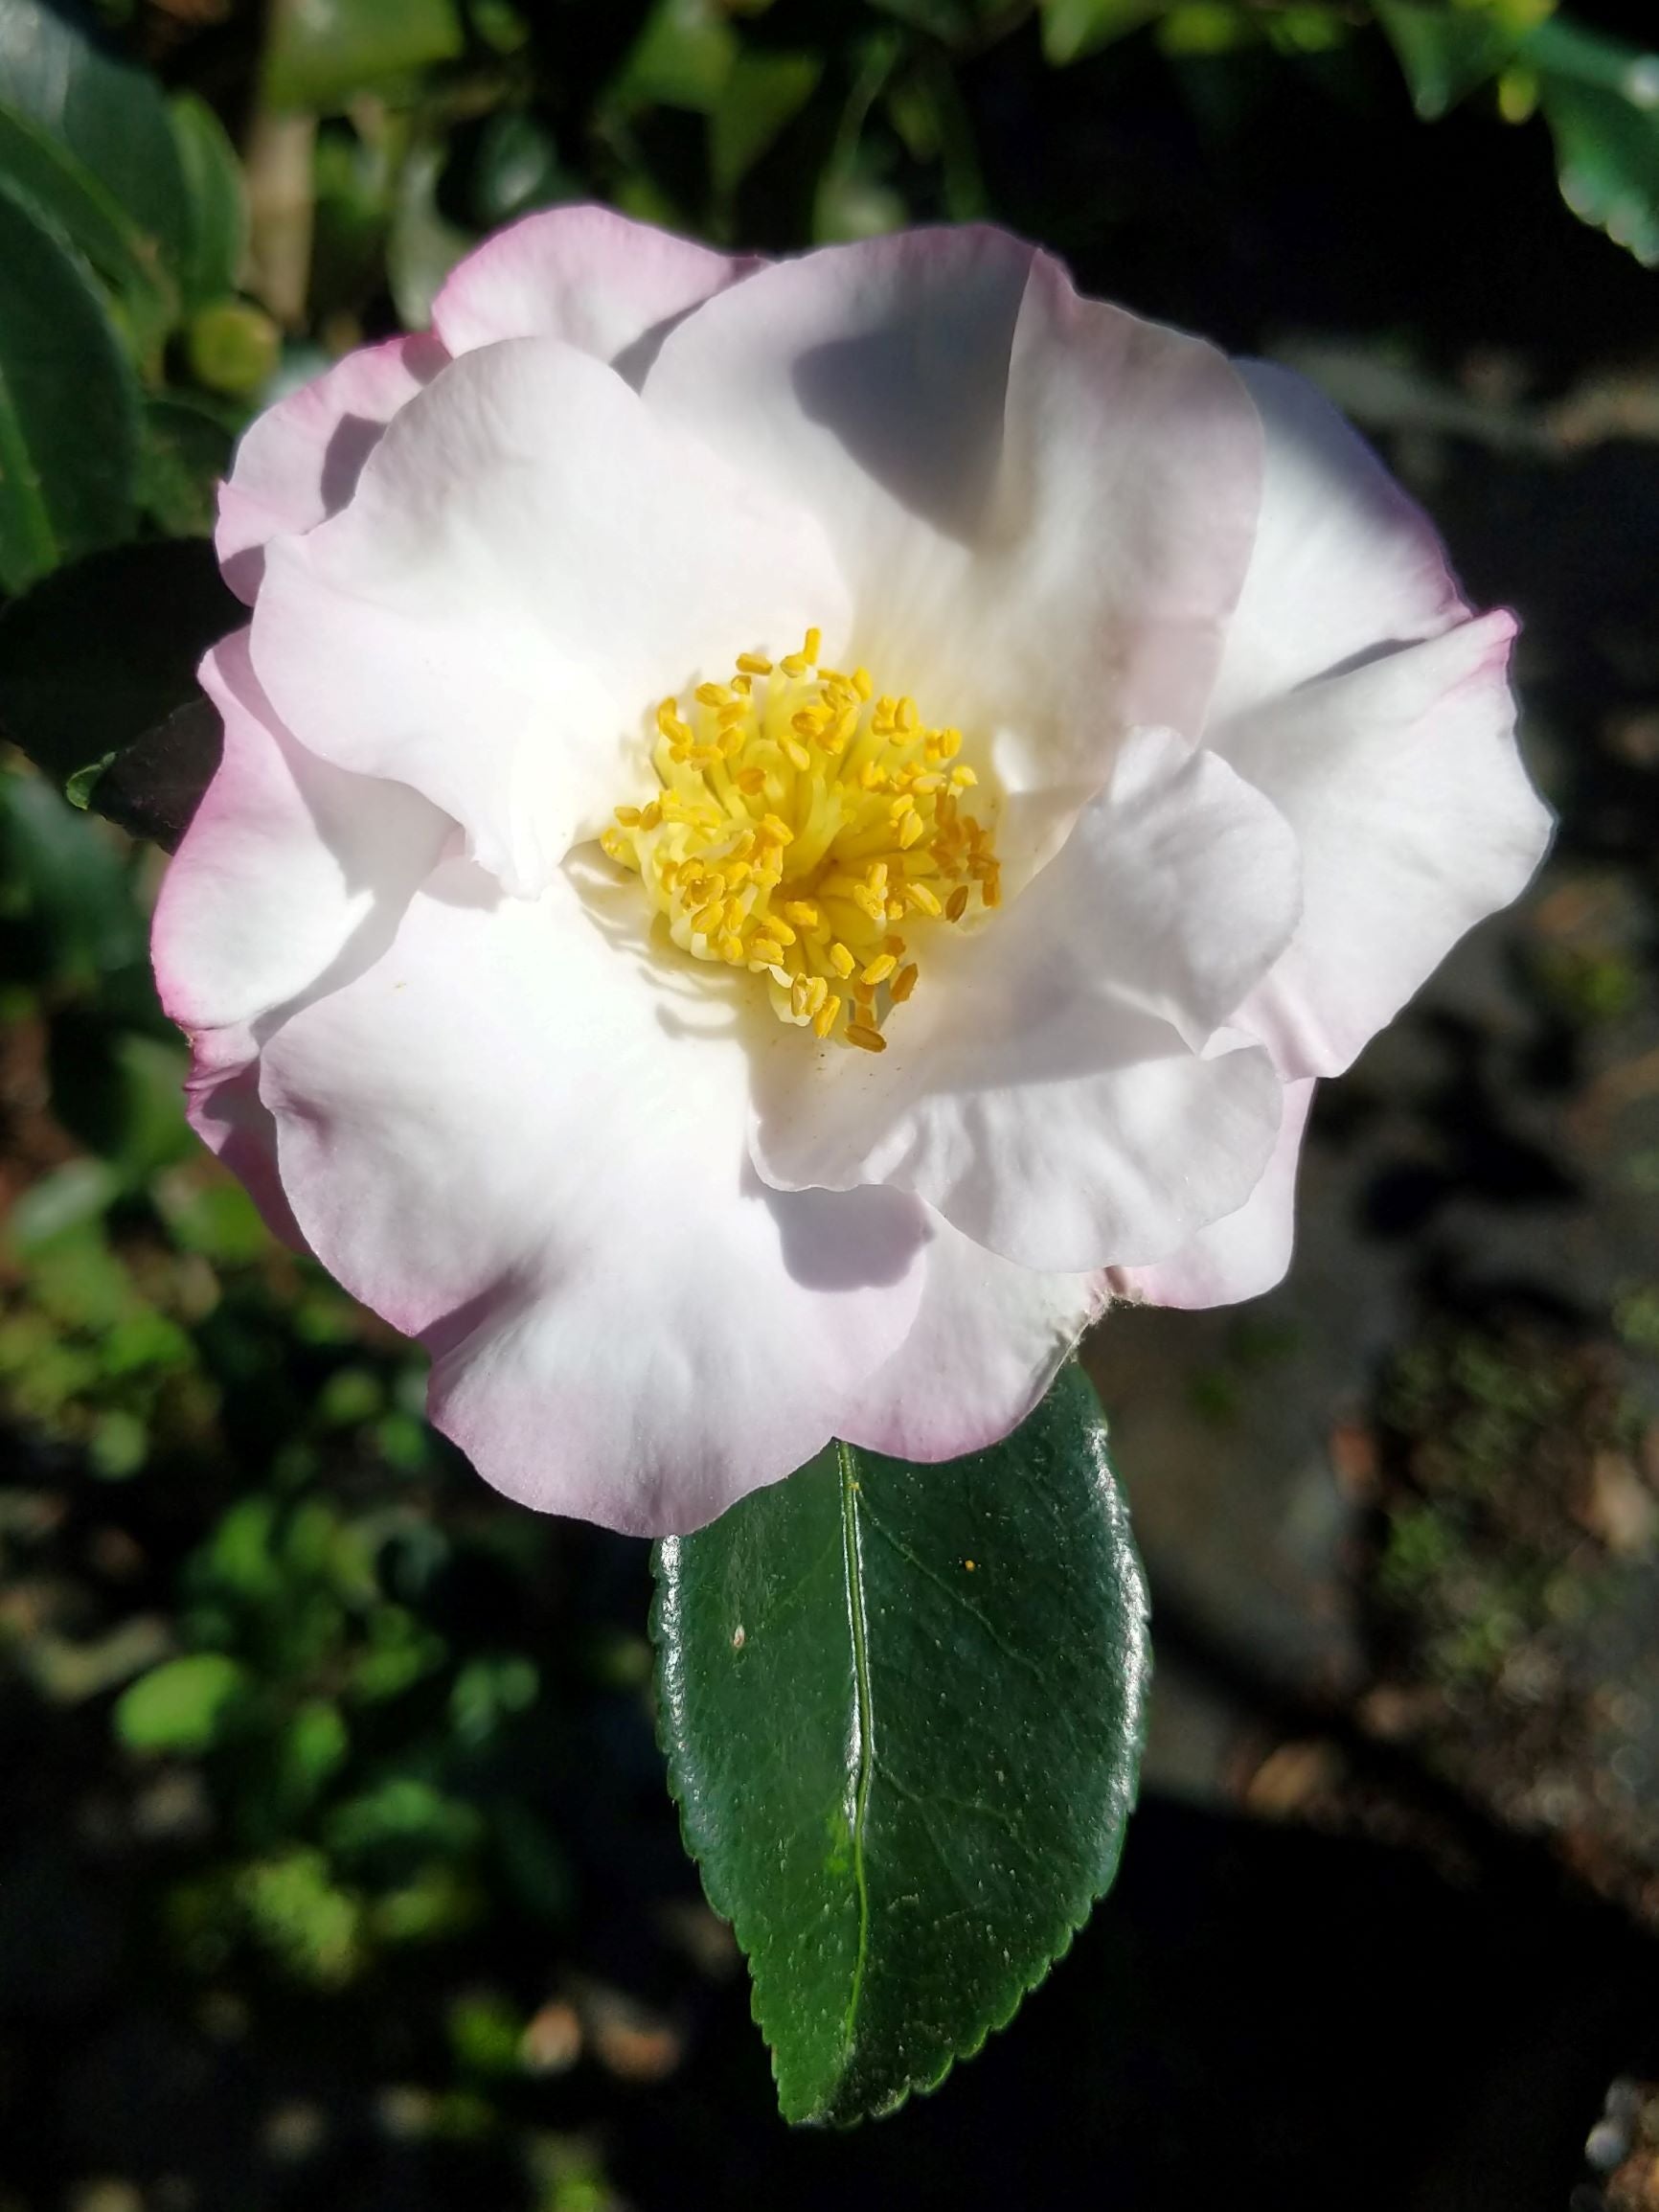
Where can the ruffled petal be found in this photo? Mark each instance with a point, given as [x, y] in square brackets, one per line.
[1042, 1089]
[587, 275]
[1415, 818]
[299, 462]
[987, 1341]
[291, 868]
[1045, 506]
[1343, 564]
[513, 1140]
[531, 561]
[223, 1105]
[1247, 1252]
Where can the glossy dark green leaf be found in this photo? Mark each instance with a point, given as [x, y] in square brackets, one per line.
[40, 171]
[56, 68]
[902, 1710]
[1602, 102]
[102, 654]
[69, 404]
[215, 201]
[762, 95]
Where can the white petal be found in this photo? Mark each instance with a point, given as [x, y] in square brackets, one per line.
[513, 1139]
[291, 868]
[1415, 818]
[987, 1342]
[531, 561]
[587, 275]
[1036, 1090]
[299, 462]
[1245, 1253]
[1043, 506]
[1343, 563]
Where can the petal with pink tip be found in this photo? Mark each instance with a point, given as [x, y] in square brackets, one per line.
[531, 561]
[1245, 1253]
[586, 275]
[299, 462]
[503, 1138]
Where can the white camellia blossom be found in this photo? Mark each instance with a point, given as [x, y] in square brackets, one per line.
[787, 831]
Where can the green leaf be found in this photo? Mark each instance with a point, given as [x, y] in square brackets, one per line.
[108, 113]
[69, 405]
[186, 450]
[902, 1711]
[180, 1706]
[102, 653]
[216, 201]
[1601, 98]
[1447, 52]
[424, 244]
[1074, 28]
[326, 52]
[763, 93]
[41, 172]
[683, 57]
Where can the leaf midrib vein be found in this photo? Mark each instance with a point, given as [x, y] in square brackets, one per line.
[854, 1566]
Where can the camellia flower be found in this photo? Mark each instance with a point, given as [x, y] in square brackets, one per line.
[786, 832]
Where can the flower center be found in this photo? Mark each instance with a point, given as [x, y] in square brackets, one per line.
[809, 829]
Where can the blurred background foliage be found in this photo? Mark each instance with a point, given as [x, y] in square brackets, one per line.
[338, 1867]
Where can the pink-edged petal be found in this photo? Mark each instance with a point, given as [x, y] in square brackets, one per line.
[587, 275]
[987, 1341]
[1045, 507]
[519, 1139]
[1245, 1253]
[531, 561]
[300, 460]
[223, 1105]
[1044, 1089]
[291, 869]
[1415, 819]
[1343, 562]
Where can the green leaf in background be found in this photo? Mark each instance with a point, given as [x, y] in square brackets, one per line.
[56, 69]
[1601, 98]
[424, 246]
[69, 406]
[322, 53]
[1074, 28]
[760, 98]
[41, 172]
[682, 59]
[180, 1706]
[902, 1710]
[1447, 52]
[186, 450]
[217, 232]
[99, 655]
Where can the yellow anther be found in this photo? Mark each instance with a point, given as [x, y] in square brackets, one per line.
[795, 754]
[900, 807]
[754, 664]
[963, 778]
[817, 991]
[798, 993]
[873, 776]
[990, 890]
[866, 1039]
[712, 694]
[752, 782]
[611, 842]
[924, 900]
[732, 947]
[708, 921]
[651, 816]
[780, 929]
[804, 913]
[780, 831]
[879, 969]
[840, 959]
[956, 905]
[862, 683]
[794, 664]
[826, 1016]
[814, 644]
[896, 910]
[766, 949]
[903, 984]
[911, 830]
[629, 817]
[876, 876]
[907, 716]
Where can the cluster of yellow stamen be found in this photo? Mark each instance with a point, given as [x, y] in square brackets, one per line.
[806, 830]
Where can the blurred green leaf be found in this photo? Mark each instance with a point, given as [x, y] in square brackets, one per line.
[233, 347]
[186, 450]
[324, 51]
[1074, 28]
[77, 881]
[56, 68]
[1601, 98]
[103, 652]
[182, 1705]
[517, 169]
[40, 171]
[762, 95]
[216, 201]
[682, 59]
[902, 1709]
[118, 1093]
[424, 244]
[1447, 52]
[69, 405]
